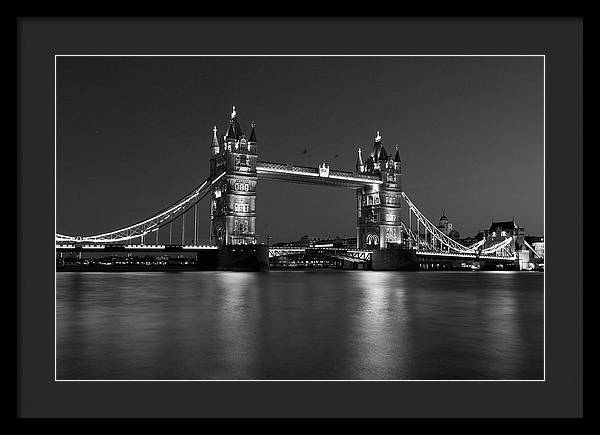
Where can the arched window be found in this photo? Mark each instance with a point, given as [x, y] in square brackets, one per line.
[372, 239]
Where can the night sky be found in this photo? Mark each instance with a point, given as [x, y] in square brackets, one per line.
[133, 135]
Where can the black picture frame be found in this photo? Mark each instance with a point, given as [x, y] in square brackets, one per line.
[560, 395]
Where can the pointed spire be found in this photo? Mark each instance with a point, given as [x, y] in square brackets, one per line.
[252, 133]
[215, 140]
[383, 155]
[234, 131]
[376, 152]
[397, 156]
[215, 144]
[359, 162]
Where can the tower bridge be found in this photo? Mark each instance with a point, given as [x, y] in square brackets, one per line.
[384, 238]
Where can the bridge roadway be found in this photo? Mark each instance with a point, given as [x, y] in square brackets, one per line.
[352, 255]
[321, 175]
[365, 255]
[132, 248]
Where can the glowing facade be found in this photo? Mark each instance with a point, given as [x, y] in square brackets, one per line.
[233, 199]
[379, 220]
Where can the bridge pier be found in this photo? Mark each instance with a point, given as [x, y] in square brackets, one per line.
[207, 260]
[489, 264]
[250, 258]
[394, 259]
[347, 265]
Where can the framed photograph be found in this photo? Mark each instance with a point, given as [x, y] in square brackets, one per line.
[246, 229]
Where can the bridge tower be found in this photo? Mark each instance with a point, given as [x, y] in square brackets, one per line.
[379, 206]
[233, 198]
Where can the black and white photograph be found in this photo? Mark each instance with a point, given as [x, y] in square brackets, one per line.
[300, 218]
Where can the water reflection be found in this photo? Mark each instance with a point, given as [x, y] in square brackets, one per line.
[380, 345]
[300, 325]
[236, 323]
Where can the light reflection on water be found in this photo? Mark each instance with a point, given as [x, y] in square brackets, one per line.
[300, 325]
[380, 345]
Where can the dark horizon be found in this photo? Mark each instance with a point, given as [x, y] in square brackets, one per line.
[133, 135]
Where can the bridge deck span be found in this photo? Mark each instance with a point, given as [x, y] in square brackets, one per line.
[362, 255]
[133, 248]
[310, 175]
[366, 254]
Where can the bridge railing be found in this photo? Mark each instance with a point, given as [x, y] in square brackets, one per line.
[314, 170]
[356, 175]
[287, 167]
[435, 232]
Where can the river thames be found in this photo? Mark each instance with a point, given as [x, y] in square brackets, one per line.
[300, 325]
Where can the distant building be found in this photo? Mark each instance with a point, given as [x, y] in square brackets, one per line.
[502, 230]
[303, 242]
[471, 240]
[446, 227]
[349, 243]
